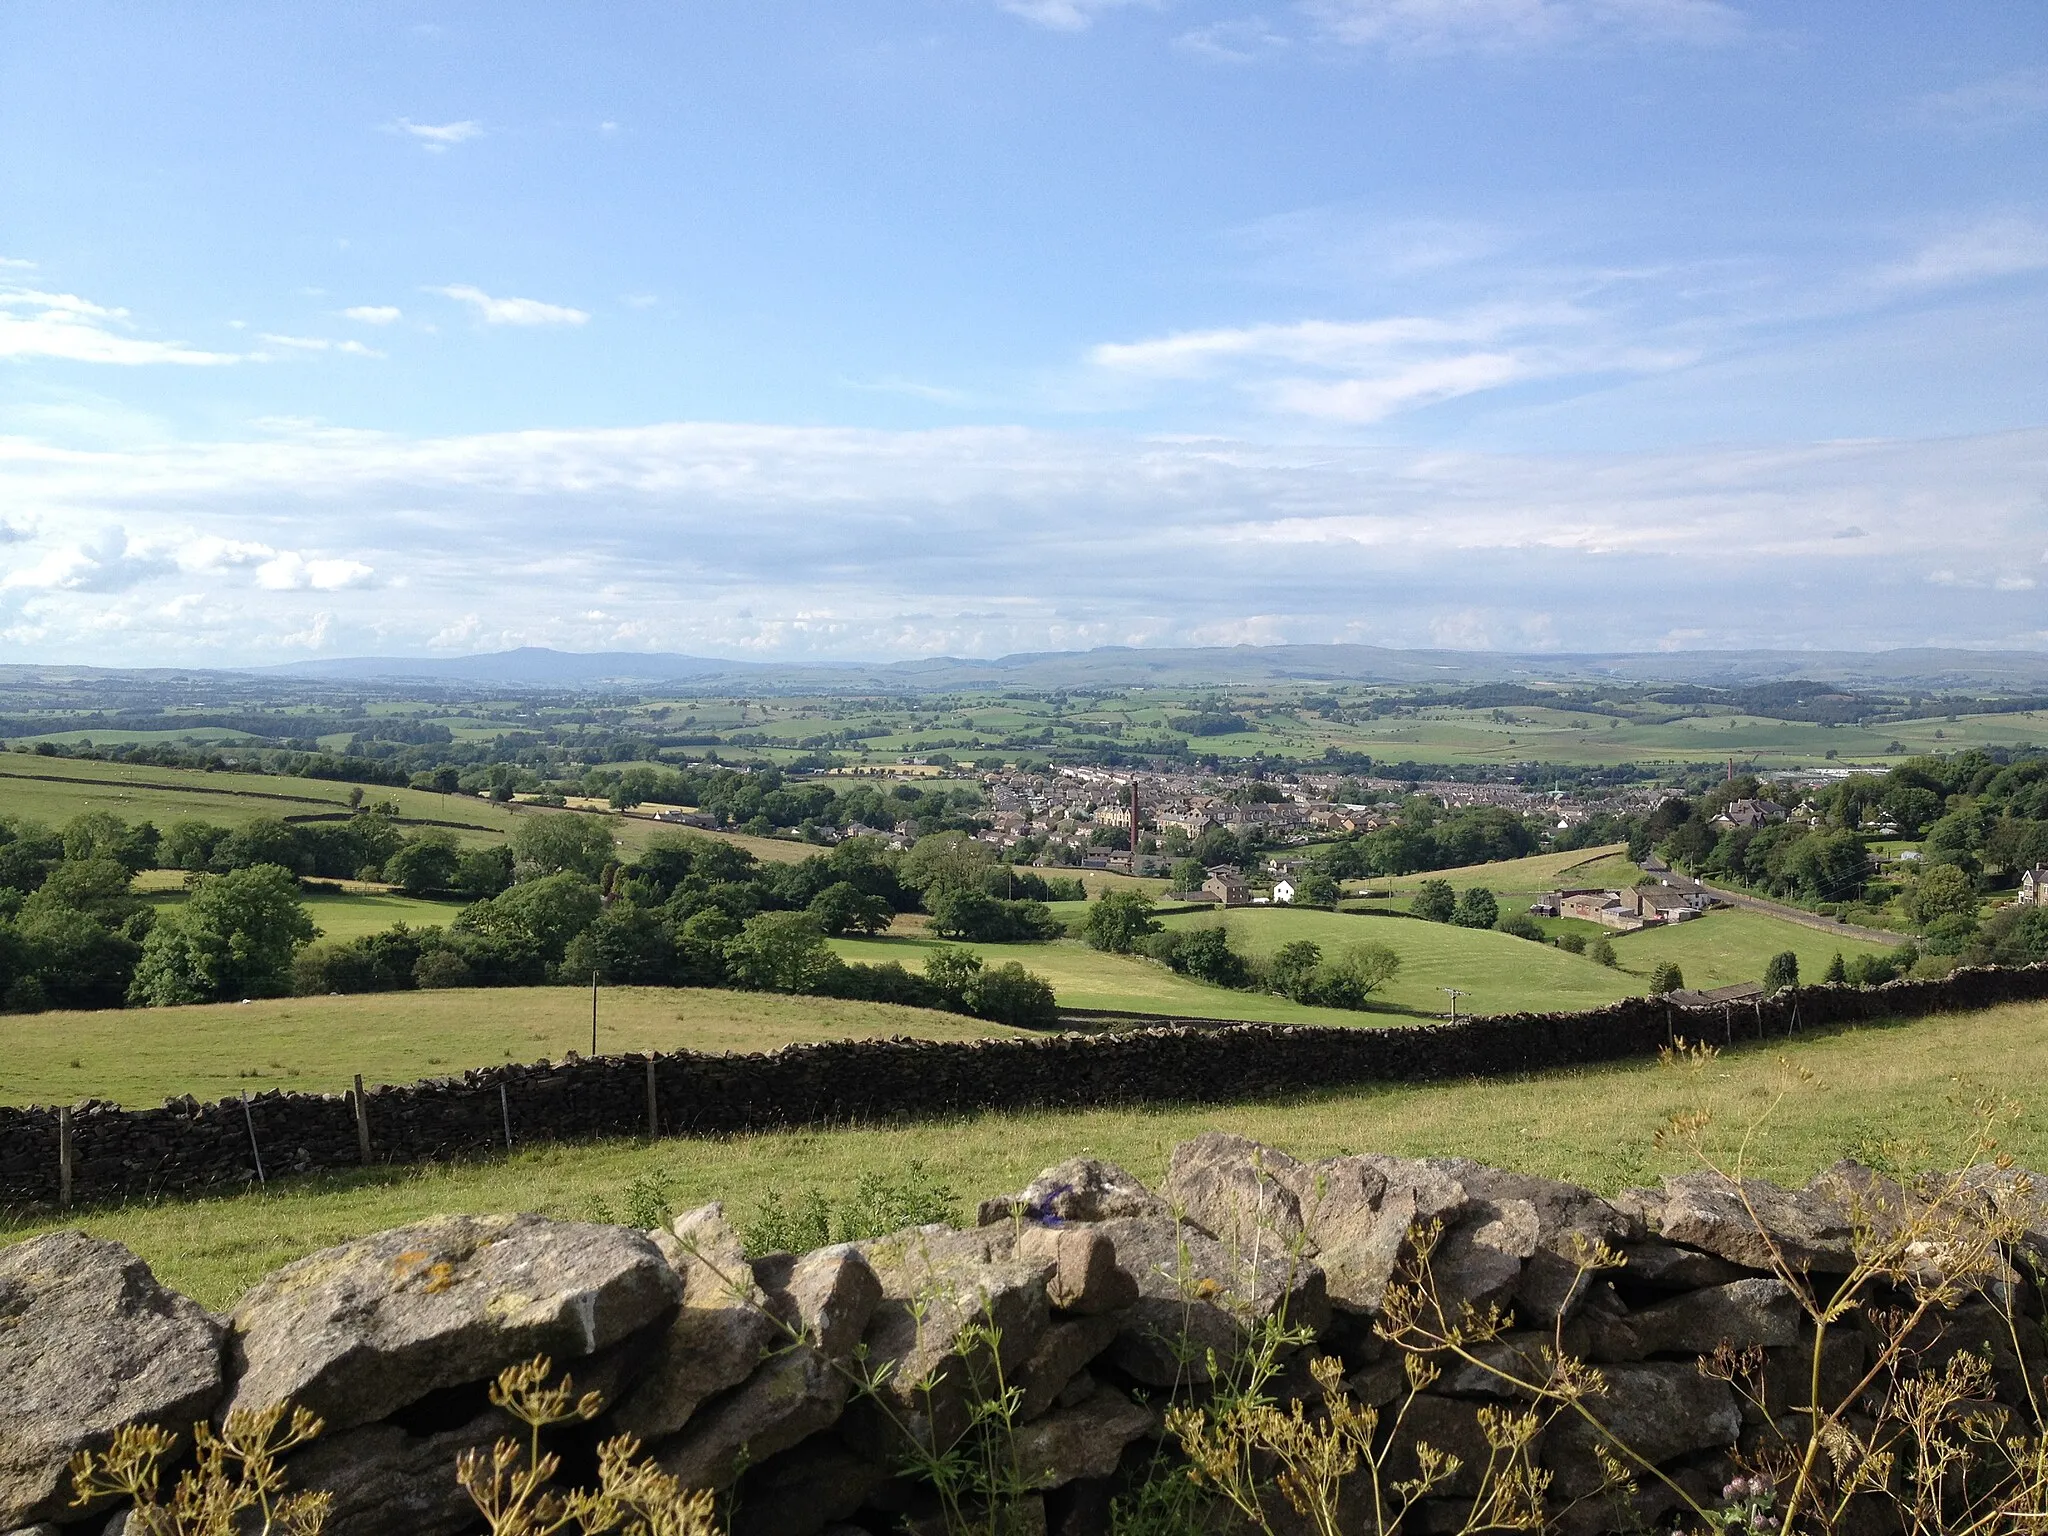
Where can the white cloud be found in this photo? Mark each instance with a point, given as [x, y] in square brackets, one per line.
[1374, 399]
[291, 572]
[868, 543]
[1066, 15]
[1989, 106]
[1503, 26]
[374, 314]
[63, 325]
[436, 138]
[16, 264]
[1996, 247]
[1363, 371]
[319, 344]
[109, 561]
[1238, 41]
[316, 636]
[512, 311]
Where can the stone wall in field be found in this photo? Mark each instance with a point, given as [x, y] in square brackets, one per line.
[119, 1154]
[801, 1387]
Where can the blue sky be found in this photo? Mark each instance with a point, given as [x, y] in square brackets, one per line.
[953, 326]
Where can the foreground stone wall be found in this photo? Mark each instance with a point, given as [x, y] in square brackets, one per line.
[118, 1154]
[1110, 1302]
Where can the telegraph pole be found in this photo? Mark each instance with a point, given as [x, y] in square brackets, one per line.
[1456, 993]
[593, 1013]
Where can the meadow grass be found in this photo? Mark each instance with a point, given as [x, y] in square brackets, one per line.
[140, 1056]
[1731, 944]
[1500, 973]
[55, 789]
[340, 915]
[1538, 872]
[1085, 978]
[1895, 1095]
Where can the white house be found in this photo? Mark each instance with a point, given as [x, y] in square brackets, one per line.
[2034, 887]
[1283, 892]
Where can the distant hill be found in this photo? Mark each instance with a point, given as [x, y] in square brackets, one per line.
[529, 666]
[1116, 666]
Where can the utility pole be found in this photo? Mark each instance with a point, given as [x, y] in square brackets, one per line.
[1456, 993]
[593, 1013]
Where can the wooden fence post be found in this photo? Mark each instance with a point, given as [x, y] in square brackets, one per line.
[249, 1119]
[64, 1156]
[653, 1102]
[362, 1121]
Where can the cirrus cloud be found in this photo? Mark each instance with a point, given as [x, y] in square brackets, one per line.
[438, 138]
[492, 311]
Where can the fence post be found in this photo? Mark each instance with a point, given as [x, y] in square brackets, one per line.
[64, 1156]
[505, 1113]
[653, 1102]
[249, 1119]
[362, 1121]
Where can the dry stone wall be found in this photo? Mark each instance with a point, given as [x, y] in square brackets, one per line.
[1103, 1302]
[119, 1154]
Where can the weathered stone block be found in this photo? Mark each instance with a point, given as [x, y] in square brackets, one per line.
[89, 1342]
[356, 1332]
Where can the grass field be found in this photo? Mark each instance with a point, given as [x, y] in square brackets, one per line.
[347, 915]
[55, 789]
[140, 1056]
[1893, 1095]
[1086, 978]
[1733, 945]
[1499, 973]
[1538, 872]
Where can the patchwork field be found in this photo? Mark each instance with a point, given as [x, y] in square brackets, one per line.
[316, 1044]
[1896, 1096]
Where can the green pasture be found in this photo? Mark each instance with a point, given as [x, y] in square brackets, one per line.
[1730, 945]
[1894, 1095]
[1085, 978]
[1497, 972]
[141, 1056]
[55, 789]
[343, 915]
[1538, 872]
[201, 735]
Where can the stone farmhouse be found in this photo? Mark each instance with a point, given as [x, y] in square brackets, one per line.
[2034, 887]
[1227, 884]
[1625, 911]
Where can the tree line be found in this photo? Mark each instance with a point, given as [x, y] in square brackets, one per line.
[553, 904]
